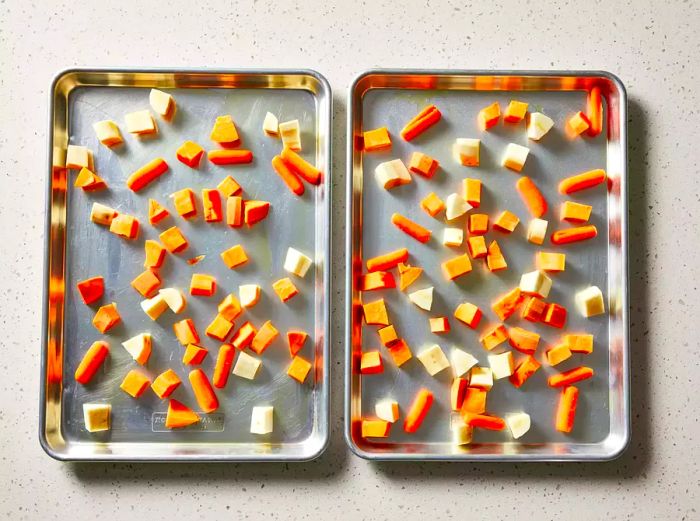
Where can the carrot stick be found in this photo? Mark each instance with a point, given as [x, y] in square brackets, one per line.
[485, 421]
[146, 174]
[579, 233]
[388, 260]
[411, 228]
[582, 181]
[419, 408]
[566, 410]
[570, 377]
[91, 362]
[425, 119]
[230, 157]
[224, 361]
[531, 196]
[290, 178]
[202, 391]
[302, 167]
[594, 112]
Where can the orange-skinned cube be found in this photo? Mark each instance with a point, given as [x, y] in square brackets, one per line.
[468, 314]
[264, 337]
[296, 340]
[235, 256]
[230, 307]
[524, 370]
[375, 313]
[185, 332]
[400, 352]
[194, 354]
[432, 204]
[495, 261]
[211, 206]
[489, 116]
[579, 343]
[549, 261]
[285, 289]
[179, 415]
[371, 363]
[439, 325]
[234, 211]
[89, 181]
[472, 191]
[557, 354]
[190, 154]
[456, 267]
[377, 280]
[224, 131]
[146, 283]
[255, 211]
[506, 221]
[408, 275]
[377, 139]
[184, 202]
[126, 226]
[575, 212]
[578, 123]
[375, 428]
[91, 290]
[202, 285]
[244, 336]
[219, 328]
[155, 254]
[299, 369]
[473, 401]
[533, 309]
[554, 315]
[523, 340]
[477, 247]
[515, 112]
[506, 305]
[106, 318]
[494, 336]
[387, 335]
[457, 392]
[478, 223]
[173, 240]
[423, 164]
[165, 384]
[135, 383]
[229, 187]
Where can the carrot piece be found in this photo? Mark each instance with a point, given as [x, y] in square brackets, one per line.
[173, 240]
[474, 401]
[203, 392]
[456, 267]
[581, 181]
[179, 415]
[477, 247]
[229, 187]
[156, 212]
[437, 325]
[468, 314]
[554, 315]
[91, 289]
[255, 211]
[457, 392]
[301, 167]
[594, 111]
[495, 261]
[194, 354]
[125, 226]
[290, 178]
[523, 340]
[569, 235]
[472, 191]
[165, 383]
[190, 154]
[432, 204]
[155, 254]
[411, 228]
[388, 260]
[566, 409]
[371, 363]
[506, 222]
[230, 157]
[375, 313]
[376, 280]
[89, 181]
[423, 164]
[494, 337]
[484, 421]
[106, 318]
[202, 285]
[147, 173]
[506, 305]
[524, 370]
[425, 119]
[570, 377]
[146, 283]
[285, 289]
[91, 362]
[400, 352]
[219, 328]
[224, 361]
[211, 203]
[489, 116]
[299, 369]
[531, 196]
[234, 257]
[264, 337]
[418, 410]
[377, 139]
[135, 383]
[478, 223]
[186, 332]
[244, 336]
[234, 211]
[296, 340]
[534, 309]
[408, 275]
[575, 212]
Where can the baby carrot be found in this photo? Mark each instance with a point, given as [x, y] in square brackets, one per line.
[595, 112]
[582, 181]
[566, 410]
[411, 228]
[425, 119]
[419, 408]
[91, 362]
[146, 174]
[304, 169]
[484, 421]
[224, 361]
[579, 233]
[290, 178]
[531, 196]
[203, 392]
[230, 157]
[570, 377]
[388, 260]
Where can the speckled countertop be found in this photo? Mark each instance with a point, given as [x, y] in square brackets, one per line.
[652, 46]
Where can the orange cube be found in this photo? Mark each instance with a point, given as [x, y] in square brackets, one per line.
[457, 391]
[575, 212]
[135, 383]
[432, 204]
[194, 354]
[190, 153]
[234, 211]
[184, 202]
[229, 187]
[494, 337]
[523, 371]
[477, 247]
[581, 343]
[285, 289]
[165, 384]
[523, 340]
[506, 222]
[235, 256]
[264, 337]
[125, 226]
[408, 275]
[578, 123]
[296, 340]
[255, 211]
[474, 401]
[376, 280]
[91, 289]
[534, 309]
[400, 352]
[456, 267]
[515, 112]
[478, 223]
[219, 328]
[489, 116]
[224, 131]
[156, 212]
[387, 335]
[371, 363]
[495, 261]
[472, 191]
[146, 283]
[554, 315]
[439, 325]
[469, 314]
[155, 254]
[202, 285]
[89, 181]
[506, 305]
[375, 428]
[106, 318]
[185, 332]
[377, 139]
[549, 261]
[557, 354]
[244, 336]
[230, 307]
[173, 240]
[211, 204]
[299, 369]
[423, 164]
[375, 313]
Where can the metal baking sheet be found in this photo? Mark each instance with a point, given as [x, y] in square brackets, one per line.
[77, 249]
[391, 98]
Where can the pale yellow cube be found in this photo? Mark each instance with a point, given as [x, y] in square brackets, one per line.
[452, 236]
[246, 366]
[154, 307]
[481, 377]
[515, 157]
[538, 125]
[261, 419]
[290, 134]
[501, 365]
[518, 423]
[248, 295]
[271, 125]
[140, 123]
[97, 416]
[108, 133]
[433, 359]
[391, 174]
[535, 283]
[297, 263]
[590, 301]
[162, 103]
[387, 410]
[466, 151]
[537, 231]
[78, 157]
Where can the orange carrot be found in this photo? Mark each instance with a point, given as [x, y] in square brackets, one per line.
[419, 408]
[230, 157]
[531, 196]
[388, 260]
[303, 168]
[582, 181]
[203, 392]
[566, 410]
[570, 377]
[224, 361]
[146, 174]
[484, 421]
[411, 228]
[425, 119]
[594, 111]
[579, 233]
[91, 362]
[290, 178]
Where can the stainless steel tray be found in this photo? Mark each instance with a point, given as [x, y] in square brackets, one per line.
[390, 98]
[76, 249]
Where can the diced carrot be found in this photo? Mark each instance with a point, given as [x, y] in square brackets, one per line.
[493, 337]
[244, 336]
[411, 228]
[264, 337]
[550, 261]
[582, 181]
[425, 119]
[506, 222]
[594, 111]
[211, 204]
[432, 204]
[184, 201]
[575, 212]
[255, 211]
[456, 267]
[229, 187]
[186, 332]
[92, 289]
[408, 275]
[375, 313]
[495, 261]
[219, 328]
[566, 409]
[288, 176]
[165, 383]
[468, 314]
[423, 164]
[457, 391]
[371, 363]
[418, 410]
[375, 428]
[400, 352]
[515, 112]
[92, 360]
[296, 340]
[506, 305]
[489, 116]
[106, 318]
[534, 309]
[202, 285]
[190, 154]
[377, 139]
[478, 223]
[155, 254]
[234, 211]
[578, 124]
[285, 289]
[376, 280]
[301, 167]
[299, 369]
[124, 225]
[524, 370]
[234, 257]
[147, 173]
[472, 191]
[135, 383]
[179, 416]
[146, 283]
[477, 247]
[484, 421]
[203, 392]
[569, 235]
[224, 362]
[570, 377]
[579, 343]
[230, 157]
[388, 260]
[438, 325]
[173, 240]
[531, 196]
[387, 335]
[523, 340]
[474, 401]
[89, 181]
[156, 212]
[554, 315]
[224, 131]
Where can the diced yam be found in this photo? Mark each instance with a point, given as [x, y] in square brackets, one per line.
[515, 112]
[579, 343]
[91, 290]
[534, 309]
[156, 212]
[590, 301]
[264, 337]
[377, 139]
[461, 434]
[535, 283]
[538, 125]
[126, 226]
[285, 289]
[139, 347]
[523, 340]
[219, 328]
[146, 283]
[494, 336]
[78, 157]
[392, 173]
[400, 352]
[173, 240]
[375, 313]
[162, 103]
[290, 134]
[190, 153]
[165, 383]
[179, 415]
[501, 365]
[375, 428]
[518, 424]
[185, 332]
[271, 125]
[234, 211]
[135, 383]
[452, 236]
[246, 366]
[439, 325]
[299, 369]
[89, 181]
[477, 247]
[387, 410]
[234, 257]
[211, 206]
[456, 267]
[423, 298]
[387, 335]
[296, 340]
[537, 231]
[433, 359]
[371, 363]
[558, 354]
[249, 295]
[478, 223]
[461, 362]
[432, 204]
[423, 164]
[489, 116]
[230, 307]
[108, 133]
[472, 191]
[506, 222]
[524, 370]
[194, 354]
[554, 315]
[466, 151]
[255, 211]
[224, 131]
[97, 416]
[506, 305]
[296, 262]
[515, 157]
[202, 285]
[140, 123]
[550, 261]
[578, 123]
[455, 206]
[575, 212]
[261, 418]
[495, 261]
[101, 214]
[481, 378]
[244, 336]
[154, 307]
[106, 318]
[229, 187]
[457, 391]
[408, 275]
[468, 314]
[184, 201]
[376, 280]
[174, 299]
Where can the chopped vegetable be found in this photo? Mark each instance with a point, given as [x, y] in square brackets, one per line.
[92, 289]
[407, 275]
[466, 151]
[455, 206]
[387, 410]
[495, 261]
[229, 187]
[391, 174]
[165, 384]
[569, 235]
[288, 176]
[125, 226]
[156, 212]
[375, 428]
[249, 294]
[550, 261]
[296, 262]
[230, 157]
[472, 191]
[423, 164]
[506, 305]
[388, 260]
[518, 424]
[219, 328]
[538, 125]
[154, 307]
[501, 365]
[433, 359]
[468, 314]
[570, 377]
[489, 116]
[135, 383]
[461, 362]
[575, 212]
[234, 211]
[566, 409]
[376, 280]
[179, 415]
[140, 123]
[473, 401]
[290, 134]
[377, 139]
[580, 343]
[230, 307]
[558, 354]
[185, 332]
[155, 254]
[224, 131]
[244, 336]
[494, 336]
[261, 419]
[418, 411]
[515, 112]
[101, 214]
[594, 112]
[173, 240]
[425, 119]
[224, 362]
[139, 347]
[162, 103]
[146, 283]
[146, 174]
[203, 392]
[484, 421]
[477, 247]
[202, 285]
[194, 354]
[255, 211]
[285, 289]
[423, 298]
[478, 223]
[554, 315]
[578, 123]
[411, 228]
[590, 301]
[578, 182]
[432, 204]
[375, 313]
[371, 363]
[456, 267]
[534, 309]
[174, 299]
[537, 231]
[234, 257]
[506, 222]
[387, 335]
[400, 352]
[524, 370]
[264, 337]
[190, 154]
[97, 416]
[481, 377]
[211, 203]
[78, 157]
[535, 283]
[184, 201]
[92, 360]
[531, 196]
[106, 318]
[523, 340]
[296, 340]
[457, 391]
[108, 133]
[515, 156]
[299, 369]
[271, 125]
[89, 181]
[246, 366]
[439, 325]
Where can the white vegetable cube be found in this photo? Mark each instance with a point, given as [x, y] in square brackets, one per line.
[501, 365]
[452, 236]
[97, 416]
[248, 295]
[461, 434]
[590, 301]
[77, 157]
[538, 125]
[455, 206]
[162, 103]
[466, 151]
[139, 347]
[481, 377]
[154, 307]
[296, 262]
[423, 298]
[518, 423]
[289, 132]
[391, 174]
[433, 359]
[537, 231]
[140, 122]
[387, 410]
[515, 156]
[174, 299]
[261, 419]
[535, 283]
[461, 362]
[246, 366]
[108, 133]
[271, 125]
